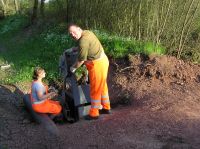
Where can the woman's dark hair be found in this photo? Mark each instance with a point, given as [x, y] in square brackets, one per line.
[36, 72]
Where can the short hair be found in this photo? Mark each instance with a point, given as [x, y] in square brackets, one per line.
[72, 24]
[36, 72]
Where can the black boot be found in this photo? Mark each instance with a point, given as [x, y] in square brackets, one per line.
[88, 117]
[59, 118]
[105, 111]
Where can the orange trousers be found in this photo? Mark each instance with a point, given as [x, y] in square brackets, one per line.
[98, 70]
[48, 106]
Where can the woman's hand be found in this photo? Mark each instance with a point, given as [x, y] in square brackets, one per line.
[53, 94]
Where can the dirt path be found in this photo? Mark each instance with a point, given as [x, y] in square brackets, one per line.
[152, 109]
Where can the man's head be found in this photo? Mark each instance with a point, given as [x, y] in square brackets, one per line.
[75, 31]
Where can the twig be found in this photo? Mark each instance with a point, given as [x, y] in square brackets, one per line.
[126, 68]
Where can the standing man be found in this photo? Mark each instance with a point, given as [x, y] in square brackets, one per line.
[91, 53]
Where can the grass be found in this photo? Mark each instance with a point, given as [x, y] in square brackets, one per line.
[120, 47]
[43, 46]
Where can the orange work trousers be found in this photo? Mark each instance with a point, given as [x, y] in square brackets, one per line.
[47, 106]
[98, 70]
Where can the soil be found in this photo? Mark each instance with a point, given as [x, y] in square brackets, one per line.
[155, 105]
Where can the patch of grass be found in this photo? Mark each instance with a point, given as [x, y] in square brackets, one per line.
[12, 24]
[37, 50]
[119, 47]
[150, 47]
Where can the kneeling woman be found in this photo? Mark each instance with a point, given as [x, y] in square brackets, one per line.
[41, 99]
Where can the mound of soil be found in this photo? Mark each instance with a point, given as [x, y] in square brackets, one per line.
[155, 103]
[137, 75]
[163, 94]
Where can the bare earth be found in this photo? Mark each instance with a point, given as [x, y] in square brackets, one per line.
[155, 102]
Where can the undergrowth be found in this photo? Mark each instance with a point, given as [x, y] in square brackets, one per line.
[29, 47]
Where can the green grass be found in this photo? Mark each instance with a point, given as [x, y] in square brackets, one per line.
[119, 47]
[43, 46]
[24, 54]
[12, 24]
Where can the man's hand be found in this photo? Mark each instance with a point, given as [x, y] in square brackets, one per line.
[72, 69]
[69, 50]
[75, 49]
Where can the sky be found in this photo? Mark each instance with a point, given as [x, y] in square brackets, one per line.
[46, 1]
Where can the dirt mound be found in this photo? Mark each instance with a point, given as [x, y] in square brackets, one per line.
[163, 68]
[138, 73]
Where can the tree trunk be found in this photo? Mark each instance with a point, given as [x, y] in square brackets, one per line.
[139, 21]
[190, 23]
[183, 30]
[16, 6]
[164, 22]
[4, 8]
[35, 11]
[42, 8]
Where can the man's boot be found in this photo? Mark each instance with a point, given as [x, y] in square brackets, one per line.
[105, 111]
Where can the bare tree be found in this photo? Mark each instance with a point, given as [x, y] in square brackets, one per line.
[42, 8]
[4, 7]
[189, 25]
[164, 22]
[139, 20]
[35, 12]
[16, 6]
[183, 29]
